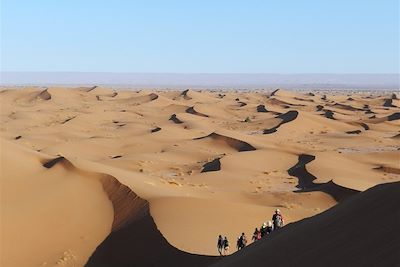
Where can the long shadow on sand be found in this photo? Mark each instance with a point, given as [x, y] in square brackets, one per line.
[237, 144]
[135, 239]
[306, 181]
[141, 244]
[287, 117]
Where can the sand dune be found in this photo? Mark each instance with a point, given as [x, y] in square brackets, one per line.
[106, 97]
[88, 89]
[340, 240]
[44, 95]
[137, 100]
[185, 95]
[391, 117]
[60, 216]
[236, 144]
[141, 244]
[108, 177]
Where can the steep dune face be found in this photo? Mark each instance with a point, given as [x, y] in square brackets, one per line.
[191, 110]
[236, 144]
[329, 114]
[128, 207]
[156, 129]
[214, 165]
[87, 209]
[44, 95]
[345, 107]
[87, 89]
[344, 236]
[388, 103]
[175, 119]
[185, 94]
[106, 96]
[261, 108]
[141, 244]
[392, 117]
[34, 95]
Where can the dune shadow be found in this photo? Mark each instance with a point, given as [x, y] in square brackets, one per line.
[286, 117]
[44, 95]
[389, 103]
[261, 108]
[306, 181]
[329, 114]
[394, 116]
[214, 165]
[156, 129]
[239, 145]
[175, 119]
[49, 164]
[135, 239]
[192, 111]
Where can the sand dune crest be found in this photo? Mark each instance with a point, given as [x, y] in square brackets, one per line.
[339, 227]
[237, 144]
[191, 110]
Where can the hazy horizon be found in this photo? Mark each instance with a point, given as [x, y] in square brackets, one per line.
[389, 81]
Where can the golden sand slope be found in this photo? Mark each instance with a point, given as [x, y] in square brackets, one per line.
[344, 236]
[202, 163]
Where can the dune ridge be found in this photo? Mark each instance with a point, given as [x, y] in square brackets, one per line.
[191, 110]
[175, 119]
[295, 245]
[44, 95]
[237, 144]
[128, 206]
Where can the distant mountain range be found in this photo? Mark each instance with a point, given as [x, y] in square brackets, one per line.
[390, 81]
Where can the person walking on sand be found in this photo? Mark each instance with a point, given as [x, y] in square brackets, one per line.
[263, 229]
[226, 246]
[238, 243]
[244, 240]
[277, 219]
[220, 245]
[241, 242]
[256, 235]
[269, 228]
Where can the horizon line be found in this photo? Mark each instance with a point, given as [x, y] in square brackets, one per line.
[274, 73]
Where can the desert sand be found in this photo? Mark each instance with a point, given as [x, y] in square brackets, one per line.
[101, 177]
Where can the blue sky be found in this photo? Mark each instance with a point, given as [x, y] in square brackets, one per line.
[204, 36]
